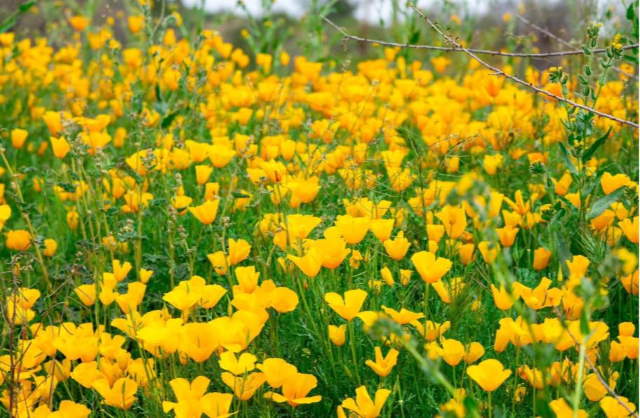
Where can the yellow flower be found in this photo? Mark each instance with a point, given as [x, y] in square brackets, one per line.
[397, 248]
[79, 23]
[489, 374]
[363, 406]
[219, 262]
[454, 221]
[310, 263]
[192, 292]
[594, 390]
[404, 316]
[237, 365]
[492, 163]
[86, 293]
[503, 299]
[382, 366]
[381, 228]
[135, 23]
[277, 371]
[337, 334]
[5, 214]
[53, 121]
[239, 250]
[203, 172]
[541, 258]
[353, 229]
[198, 340]
[18, 240]
[244, 387]
[122, 394]
[206, 212]
[295, 389]
[630, 228]
[610, 183]
[349, 306]
[452, 351]
[66, 409]
[18, 137]
[430, 268]
[50, 247]
[613, 408]
[561, 408]
[507, 235]
[332, 251]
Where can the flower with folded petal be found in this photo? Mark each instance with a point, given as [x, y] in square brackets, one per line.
[363, 406]
[349, 306]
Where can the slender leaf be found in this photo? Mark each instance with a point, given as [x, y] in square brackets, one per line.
[594, 147]
[603, 203]
[565, 157]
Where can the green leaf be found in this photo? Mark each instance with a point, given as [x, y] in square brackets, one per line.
[594, 147]
[631, 13]
[166, 121]
[603, 203]
[564, 153]
[415, 36]
[7, 24]
[24, 7]
[12, 19]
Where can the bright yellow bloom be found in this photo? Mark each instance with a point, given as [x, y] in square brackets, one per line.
[363, 406]
[295, 389]
[429, 267]
[382, 366]
[18, 137]
[337, 334]
[610, 183]
[397, 248]
[122, 394]
[489, 374]
[206, 212]
[349, 306]
[18, 240]
[244, 387]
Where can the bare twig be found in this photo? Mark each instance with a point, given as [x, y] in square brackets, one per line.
[544, 31]
[515, 79]
[458, 48]
[562, 41]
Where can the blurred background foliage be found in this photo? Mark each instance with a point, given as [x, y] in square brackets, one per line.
[490, 24]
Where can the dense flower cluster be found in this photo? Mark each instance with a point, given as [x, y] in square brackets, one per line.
[189, 230]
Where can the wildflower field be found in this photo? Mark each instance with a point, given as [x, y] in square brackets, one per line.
[194, 229]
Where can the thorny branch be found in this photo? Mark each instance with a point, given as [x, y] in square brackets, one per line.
[515, 79]
[459, 48]
[562, 41]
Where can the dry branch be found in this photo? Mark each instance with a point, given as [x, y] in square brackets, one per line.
[515, 79]
[562, 41]
[459, 48]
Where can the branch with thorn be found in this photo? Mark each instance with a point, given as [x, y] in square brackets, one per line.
[562, 41]
[497, 71]
[457, 48]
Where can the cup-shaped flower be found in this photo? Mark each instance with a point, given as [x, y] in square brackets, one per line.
[206, 212]
[489, 374]
[429, 267]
